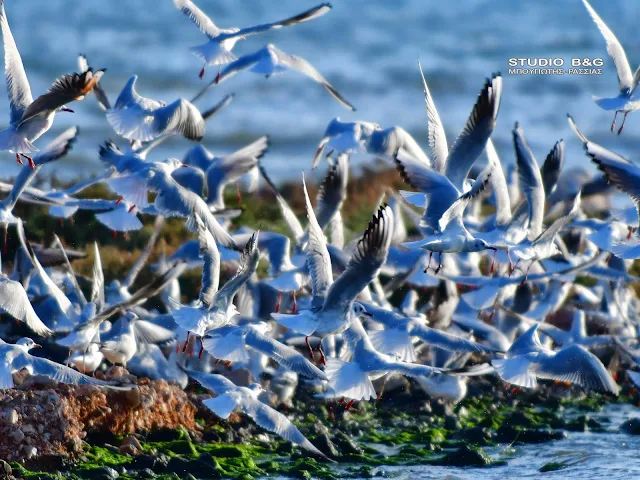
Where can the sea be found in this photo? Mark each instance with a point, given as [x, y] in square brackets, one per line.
[367, 49]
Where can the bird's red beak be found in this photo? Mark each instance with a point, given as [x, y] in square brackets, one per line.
[184, 165]
[37, 345]
[67, 109]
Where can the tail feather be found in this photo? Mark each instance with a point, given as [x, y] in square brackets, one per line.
[348, 380]
[300, 323]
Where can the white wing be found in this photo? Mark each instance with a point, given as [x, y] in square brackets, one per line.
[614, 49]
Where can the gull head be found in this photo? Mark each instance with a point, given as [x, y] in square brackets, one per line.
[27, 344]
[478, 245]
[360, 310]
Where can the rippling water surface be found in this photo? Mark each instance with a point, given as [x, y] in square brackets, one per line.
[366, 48]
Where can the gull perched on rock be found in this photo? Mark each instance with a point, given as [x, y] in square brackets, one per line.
[231, 397]
[628, 99]
[527, 360]
[270, 60]
[30, 118]
[217, 50]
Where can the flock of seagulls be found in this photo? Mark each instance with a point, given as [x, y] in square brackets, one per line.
[514, 243]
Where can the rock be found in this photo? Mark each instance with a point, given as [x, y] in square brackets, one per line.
[451, 422]
[326, 446]
[440, 408]
[28, 429]
[156, 463]
[466, 457]
[16, 436]
[474, 435]
[509, 434]
[346, 445]
[12, 416]
[163, 435]
[130, 446]
[183, 467]
[631, 426]
[30, 452]
[146, 473]
[101, 473]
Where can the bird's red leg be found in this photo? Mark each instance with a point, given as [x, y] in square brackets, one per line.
[218, 75]
[279, 302]
[115, 234]
[33, 165]
[201, 348]
[131, 208]
[186, 342]
[119, 201]
[18, 159]
[613, 125]
[295, 303]
[238, 194]
[201, 74]
[313, 358]
[526, 275]
[323, 359]
[228, 363]
[349, 405]
[493, 263]
[623, 120]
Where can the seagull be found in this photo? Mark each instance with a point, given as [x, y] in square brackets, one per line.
[232, 343]
[333, 301]
[220, 171]
[15, 302]
[271, 61]
[345, 137]
[29, 118]
[396, 338]
[627, 100]
[527, 360]
[138, 118]
[123, 338]
[214, 307]
[217, 50]
[230, 397]
[352, 379]
[622, 173]
[58, 148]
[15, 357]
[89, 361]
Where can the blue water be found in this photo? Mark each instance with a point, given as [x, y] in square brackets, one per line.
[366, 48]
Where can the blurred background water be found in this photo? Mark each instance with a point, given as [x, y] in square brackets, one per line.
[366, 49]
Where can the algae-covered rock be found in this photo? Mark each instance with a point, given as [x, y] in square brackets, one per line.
[465, 456]
[552, 466]
[474, 435]
[509, 434]
[631, 426]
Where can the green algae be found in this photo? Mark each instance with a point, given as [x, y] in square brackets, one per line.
[552, 466]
